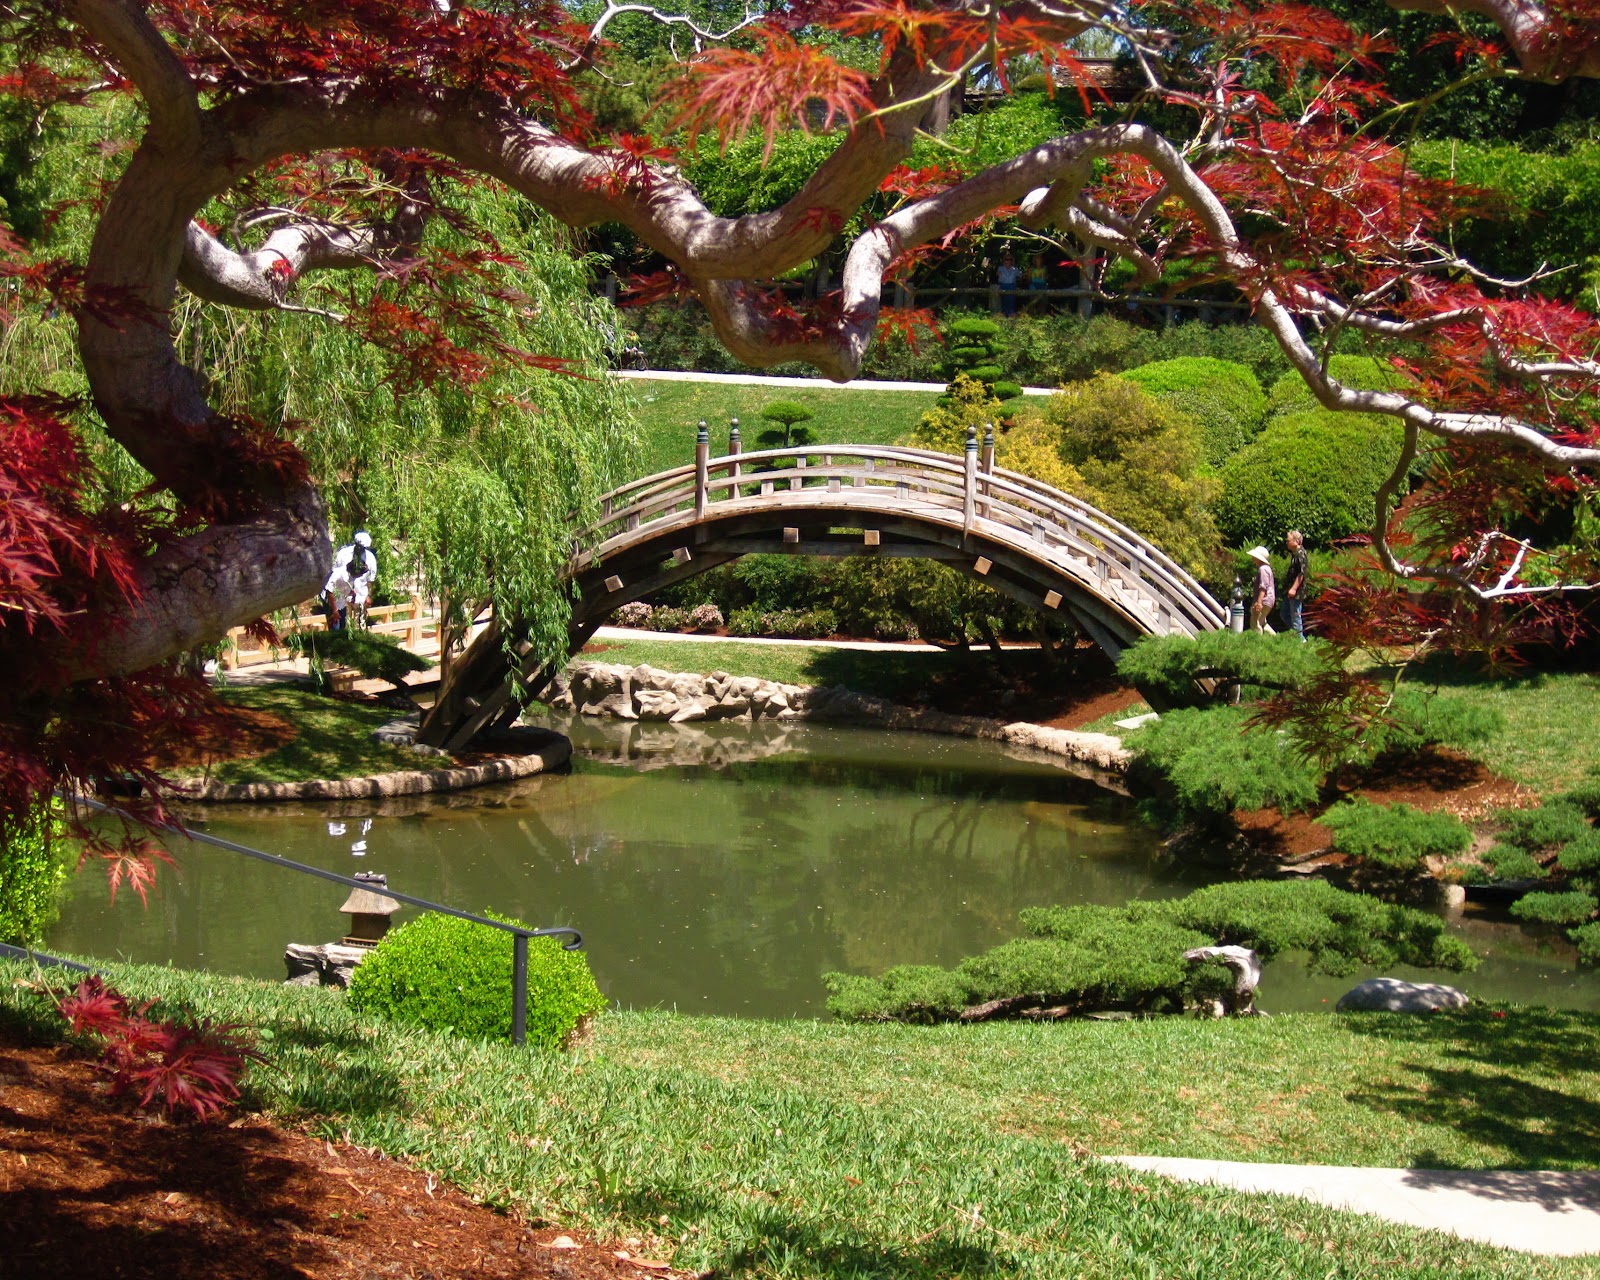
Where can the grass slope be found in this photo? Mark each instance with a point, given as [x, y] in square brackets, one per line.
[1551, 737]
[887, 673]
[333, 739]
[668, 413]
[814, 1150]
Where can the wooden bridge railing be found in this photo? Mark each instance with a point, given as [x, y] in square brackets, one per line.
[966, 491]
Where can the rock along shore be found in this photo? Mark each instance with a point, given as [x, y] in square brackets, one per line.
[544, 752]
[648, 694]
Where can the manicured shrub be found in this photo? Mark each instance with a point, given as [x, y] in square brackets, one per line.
[1551, 823]
[1213, 764]
[1314, 471]
[1511, 863]
[1224, 399]
[705, 617]
[450, 974]
[1338, 930]
[1395, 835]
[788, 415]
[1572, 907]
[375, 657]
[33, 867]
[1291, 394]
[666, 618]
[1581, 855]
[1588, 939]
[636, 613]
[1086, 958]
[1169, 667]
[745, 622]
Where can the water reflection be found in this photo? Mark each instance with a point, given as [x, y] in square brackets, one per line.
[720, 870]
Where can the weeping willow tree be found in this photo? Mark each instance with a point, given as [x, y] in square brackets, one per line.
[472, 487]
[474, 490]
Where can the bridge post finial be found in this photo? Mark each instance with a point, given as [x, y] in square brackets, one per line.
[972, 439]
[702, 459]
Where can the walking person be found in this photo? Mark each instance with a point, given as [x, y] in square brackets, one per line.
[1007, 277]
[1265, 593]
[1294, 586]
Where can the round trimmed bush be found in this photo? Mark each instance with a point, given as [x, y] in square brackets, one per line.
[1290, 394]
[1314, 471]
[1224, 399]
[449, 974]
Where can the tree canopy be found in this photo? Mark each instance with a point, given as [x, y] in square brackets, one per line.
[289, 147]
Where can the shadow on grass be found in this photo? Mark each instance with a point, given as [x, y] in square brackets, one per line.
[1505, 1093]
[771, 1241]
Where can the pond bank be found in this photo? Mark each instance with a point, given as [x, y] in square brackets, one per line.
[647, 693]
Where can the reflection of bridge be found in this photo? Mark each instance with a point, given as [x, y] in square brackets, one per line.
[1025, 539]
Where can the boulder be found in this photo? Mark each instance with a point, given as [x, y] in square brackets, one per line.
[398, 733]
[656, 704]
[1390, 995]
[329, 965]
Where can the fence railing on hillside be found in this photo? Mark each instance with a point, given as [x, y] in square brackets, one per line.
[519, 933]
[415, 621]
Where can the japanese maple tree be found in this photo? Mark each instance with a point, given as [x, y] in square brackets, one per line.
[1261, 150]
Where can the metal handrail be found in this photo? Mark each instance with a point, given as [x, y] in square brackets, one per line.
[520, 933]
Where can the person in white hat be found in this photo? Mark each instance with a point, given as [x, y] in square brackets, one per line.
[349, 586]
[1265, 594]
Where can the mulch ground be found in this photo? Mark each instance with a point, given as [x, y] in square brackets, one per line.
[89, 1187]
[230, 732]
[1436, 778]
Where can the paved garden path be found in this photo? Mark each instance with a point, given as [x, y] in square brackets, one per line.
[1529, 1210]
[825, 384]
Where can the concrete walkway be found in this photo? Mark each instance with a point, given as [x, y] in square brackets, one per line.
[823, 384]
[1532, 1211]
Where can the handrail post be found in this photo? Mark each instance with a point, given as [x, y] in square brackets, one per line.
[702, 456]
[735, 448]
[519, 988]
[969, 497]
[986, 465]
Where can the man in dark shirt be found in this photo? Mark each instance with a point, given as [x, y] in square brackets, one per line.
[1294, 590]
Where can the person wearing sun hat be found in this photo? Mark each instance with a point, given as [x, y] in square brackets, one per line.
[1265, 594]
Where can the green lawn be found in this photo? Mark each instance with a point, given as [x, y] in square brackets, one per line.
[334, 739]
[896, 674]
[805, 1149]
[1551, 737]
[668, 413]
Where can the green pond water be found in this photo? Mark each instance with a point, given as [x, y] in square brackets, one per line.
[720, 869]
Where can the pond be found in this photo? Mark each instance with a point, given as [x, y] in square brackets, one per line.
[719, 868]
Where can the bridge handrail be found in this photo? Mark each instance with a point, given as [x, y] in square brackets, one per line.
[644, 500]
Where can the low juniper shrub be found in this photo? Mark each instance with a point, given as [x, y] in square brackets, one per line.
[1086, 958]
[1571, 907]
[1508, 862]
[449, 974]
[1553, 823]
[1207, 763]
[1396, 836]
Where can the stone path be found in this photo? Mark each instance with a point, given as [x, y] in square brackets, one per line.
[1528, 1210]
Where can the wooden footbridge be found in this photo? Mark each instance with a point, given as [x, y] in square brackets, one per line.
[1027, 540]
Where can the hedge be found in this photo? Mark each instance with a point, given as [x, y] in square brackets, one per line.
[1225, 399]
[1313, 470]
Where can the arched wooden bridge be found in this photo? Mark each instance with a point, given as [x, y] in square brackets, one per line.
[1034, 543]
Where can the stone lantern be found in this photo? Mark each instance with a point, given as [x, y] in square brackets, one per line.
[369, 912]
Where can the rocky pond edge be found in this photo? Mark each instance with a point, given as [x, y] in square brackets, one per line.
[646, 693]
